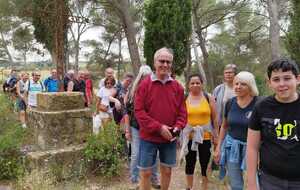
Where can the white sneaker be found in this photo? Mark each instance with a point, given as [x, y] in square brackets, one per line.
[24, 125]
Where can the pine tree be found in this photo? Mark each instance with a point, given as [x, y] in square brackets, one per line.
[293, 36]
[168, 24]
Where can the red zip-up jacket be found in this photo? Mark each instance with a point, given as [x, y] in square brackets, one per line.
[157, 103]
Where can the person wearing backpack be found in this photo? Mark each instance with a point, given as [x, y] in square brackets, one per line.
[197, 135]
[121, 90]
[10, 83]
[231, 148]
[223, 92]
[33, 87]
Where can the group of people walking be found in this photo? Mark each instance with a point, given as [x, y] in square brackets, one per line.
[244, 131]
[232, 127]
[23, 88]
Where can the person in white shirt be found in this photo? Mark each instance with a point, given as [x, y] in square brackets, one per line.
[33, 87]
[105, 96]
[109, 73]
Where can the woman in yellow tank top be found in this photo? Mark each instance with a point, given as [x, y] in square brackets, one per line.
[198, 133]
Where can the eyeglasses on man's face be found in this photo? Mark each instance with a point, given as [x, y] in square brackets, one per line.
[164, 61]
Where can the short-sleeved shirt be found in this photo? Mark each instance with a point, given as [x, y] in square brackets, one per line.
[33, 88]
[51, 84]
[104, 94]
[238, 118]
[280, 146]
[228, 94]
[22, 86]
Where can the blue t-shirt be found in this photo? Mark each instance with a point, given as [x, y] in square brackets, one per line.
[238, 118]
[51, 85]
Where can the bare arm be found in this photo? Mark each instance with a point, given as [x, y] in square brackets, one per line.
[100, 107]
[127, 127]
[223, 131]
[18, 90]
[253, 143]
[222, 134]
[214, 118]
[70, 86]
[25, 94]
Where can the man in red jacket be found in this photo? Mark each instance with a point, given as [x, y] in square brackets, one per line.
[160, 111]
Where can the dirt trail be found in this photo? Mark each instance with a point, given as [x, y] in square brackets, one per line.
[177, 181]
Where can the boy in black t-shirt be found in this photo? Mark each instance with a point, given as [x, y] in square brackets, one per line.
[274, 132]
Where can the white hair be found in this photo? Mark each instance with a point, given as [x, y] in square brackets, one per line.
[144, 71]
[164, 49]
[249, 79]
[71, 72]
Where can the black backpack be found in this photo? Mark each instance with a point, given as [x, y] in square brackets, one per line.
[12, 82]
[118, 114]
[66, 81]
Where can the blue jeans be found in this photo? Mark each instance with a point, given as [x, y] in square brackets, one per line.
[235, 174]
[134, 170]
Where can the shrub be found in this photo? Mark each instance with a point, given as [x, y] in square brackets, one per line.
[11, 137]
[104, 151]
[36, 180]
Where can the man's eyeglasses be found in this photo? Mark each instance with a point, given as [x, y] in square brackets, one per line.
[164, 61]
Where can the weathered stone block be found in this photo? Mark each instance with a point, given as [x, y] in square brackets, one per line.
[62, 163]
[59, 126]
[60, 101]
[58, 129]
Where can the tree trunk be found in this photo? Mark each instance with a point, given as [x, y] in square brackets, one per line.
[274, 31]
[130, 32]
[120, 54]
[187, 72]
[10, 58]
[210, 79]
[66, 52]
[76, 64]
[25, 58]
[59, 35]
[199, 31]
[198, 61]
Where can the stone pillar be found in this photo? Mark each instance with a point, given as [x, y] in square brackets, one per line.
[59, 125]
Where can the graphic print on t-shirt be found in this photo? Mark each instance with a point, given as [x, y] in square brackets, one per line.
[286, 131]
[248, 114]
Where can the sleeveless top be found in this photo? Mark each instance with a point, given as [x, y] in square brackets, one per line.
[199, 115]
[22, 87]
